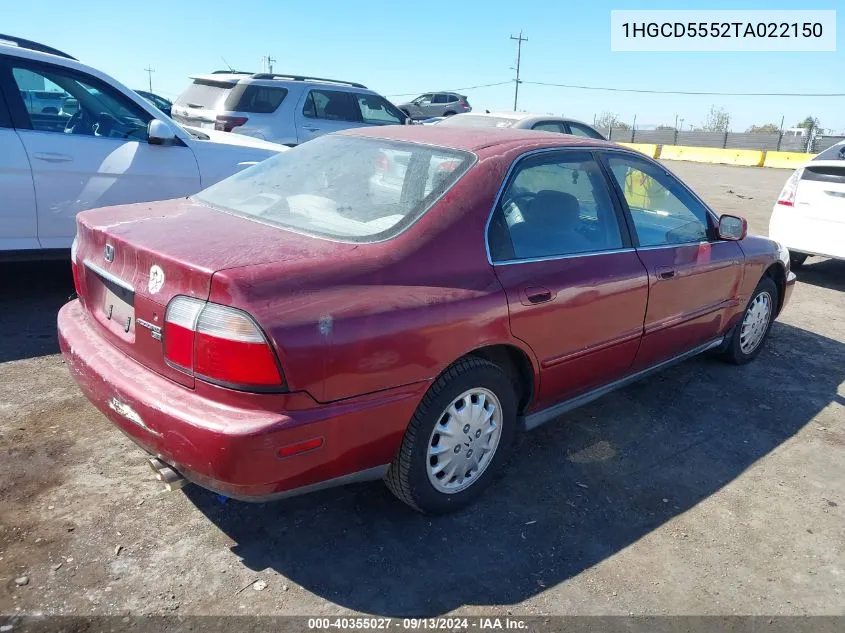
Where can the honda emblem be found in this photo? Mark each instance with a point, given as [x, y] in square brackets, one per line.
[108, 253]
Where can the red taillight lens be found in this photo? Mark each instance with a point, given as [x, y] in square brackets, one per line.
[219, 344]
[790, 189]
[229, 123]
[463, 103]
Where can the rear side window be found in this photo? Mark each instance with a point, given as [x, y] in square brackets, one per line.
[343, 187]
[331, 105]
[254, 98]
[576, 129]
[439, 98]
[549, 126]
[205, 94]
[554, 205]
[836, 152]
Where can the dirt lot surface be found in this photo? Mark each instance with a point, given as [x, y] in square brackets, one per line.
[707, 489]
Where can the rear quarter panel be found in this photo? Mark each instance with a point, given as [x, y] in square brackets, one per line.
[387, 314]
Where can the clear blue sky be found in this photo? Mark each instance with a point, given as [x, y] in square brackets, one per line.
[410, 47]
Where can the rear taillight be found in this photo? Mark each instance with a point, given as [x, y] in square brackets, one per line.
[219, 344]
[463, 103]
[790, 189]
[229, 123]
[74, 265]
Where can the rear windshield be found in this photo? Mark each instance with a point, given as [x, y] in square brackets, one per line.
[356, 189]
[205, 94]
[471, 120]
[255, 98]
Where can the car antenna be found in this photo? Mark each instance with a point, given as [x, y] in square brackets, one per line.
[228, 65]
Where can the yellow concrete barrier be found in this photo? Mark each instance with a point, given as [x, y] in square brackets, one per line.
[649, 149]
[746, 157]
[786, 160]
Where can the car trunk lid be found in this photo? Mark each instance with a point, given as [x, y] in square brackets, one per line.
[132, 260]
[821, 192]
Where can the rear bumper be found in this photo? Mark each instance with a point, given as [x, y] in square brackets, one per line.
[811, 236]
[229, 443]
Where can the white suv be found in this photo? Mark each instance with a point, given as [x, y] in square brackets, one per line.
[287, 109]
[112, 147]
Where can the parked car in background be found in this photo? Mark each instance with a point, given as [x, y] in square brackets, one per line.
[434, 104]
[165, 105]
[287, 109]
[430, 121]
[285, 330]
[114, 148]
[524, 121]
[809, 215]
[48, 102]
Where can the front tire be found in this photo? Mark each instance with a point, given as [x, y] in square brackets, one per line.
[458, 439]
[749, 335]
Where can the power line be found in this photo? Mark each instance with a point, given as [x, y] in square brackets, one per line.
[692, 92]
[519, 40]
[411, 94]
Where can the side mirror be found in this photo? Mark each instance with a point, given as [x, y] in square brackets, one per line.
[159, 133]
[732, 228]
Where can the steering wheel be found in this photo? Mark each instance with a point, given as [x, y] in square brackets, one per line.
[79, 123]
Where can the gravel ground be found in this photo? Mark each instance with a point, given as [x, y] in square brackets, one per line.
[707, 489]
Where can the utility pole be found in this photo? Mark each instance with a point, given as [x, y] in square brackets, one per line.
[519, 41]
[269, 61]
[150, 72]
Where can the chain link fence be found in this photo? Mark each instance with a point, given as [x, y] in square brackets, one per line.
[777, 141]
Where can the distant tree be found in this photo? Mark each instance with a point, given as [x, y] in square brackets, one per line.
[768, 128]
[717, 120]
[610, 120]
[811, 124]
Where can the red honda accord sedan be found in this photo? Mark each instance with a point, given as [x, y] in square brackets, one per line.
[399, 302]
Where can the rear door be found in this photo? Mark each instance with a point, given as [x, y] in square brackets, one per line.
[576, 289]
[97, 157]
[694, 277]
[18, 219]
[325, 111]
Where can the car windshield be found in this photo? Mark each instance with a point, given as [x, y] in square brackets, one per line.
[471, 120]
[343, 187]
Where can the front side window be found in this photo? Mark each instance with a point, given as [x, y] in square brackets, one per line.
[554, 205]
[331, 105]
[356, 189]
[378, 111]
[663, 211]
[60, 100]
[424, 99]
[441, 98]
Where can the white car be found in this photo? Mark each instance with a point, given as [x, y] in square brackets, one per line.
[809, 216]
[283, 108]
[114, 148]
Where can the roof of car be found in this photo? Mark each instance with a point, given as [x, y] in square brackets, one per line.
[520, 116]
[471, 139]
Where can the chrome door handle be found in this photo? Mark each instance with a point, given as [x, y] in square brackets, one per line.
[313, 129]
[666, 273]
[52, 157]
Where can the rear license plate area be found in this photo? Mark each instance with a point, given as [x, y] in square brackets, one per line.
[113, 304]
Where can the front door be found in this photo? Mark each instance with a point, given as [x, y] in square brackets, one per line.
[694, 277]
[93, 152]
[576, 289]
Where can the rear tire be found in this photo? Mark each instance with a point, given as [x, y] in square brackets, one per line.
[449, 113]
[796, 260]
[458, 439]
[751, 332]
